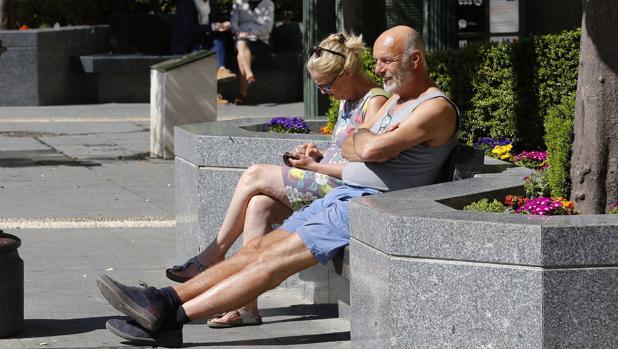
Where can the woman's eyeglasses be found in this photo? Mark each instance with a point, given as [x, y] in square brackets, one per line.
[327, 88]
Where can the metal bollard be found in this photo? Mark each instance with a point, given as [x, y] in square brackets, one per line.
[11, 286]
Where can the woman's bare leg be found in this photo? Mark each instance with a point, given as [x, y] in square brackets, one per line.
[244, 65]
[260, 206]
[263, 180]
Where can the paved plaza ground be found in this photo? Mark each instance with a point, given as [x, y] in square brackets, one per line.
[77, 186]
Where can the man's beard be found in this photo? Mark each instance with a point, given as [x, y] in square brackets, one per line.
[397, 81]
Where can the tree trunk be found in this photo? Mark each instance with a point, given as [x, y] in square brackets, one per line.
[594, 163]
[6, 15]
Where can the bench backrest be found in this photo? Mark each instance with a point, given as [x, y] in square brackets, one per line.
[464, 162]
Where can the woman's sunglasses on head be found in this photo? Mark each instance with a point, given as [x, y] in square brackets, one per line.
[318, 50]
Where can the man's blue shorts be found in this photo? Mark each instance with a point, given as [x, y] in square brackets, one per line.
[324, 225]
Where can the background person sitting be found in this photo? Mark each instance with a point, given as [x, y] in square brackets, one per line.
[251, 21]
[198, 25]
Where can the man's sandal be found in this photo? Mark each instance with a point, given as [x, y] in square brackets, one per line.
[245, 319]
[179, 273]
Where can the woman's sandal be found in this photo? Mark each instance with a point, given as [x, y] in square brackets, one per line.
[172, 273]
[245, 319]
[240, 100]
[251, 80]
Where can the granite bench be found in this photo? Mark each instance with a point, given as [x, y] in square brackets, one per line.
[210, 158]
[120, 78]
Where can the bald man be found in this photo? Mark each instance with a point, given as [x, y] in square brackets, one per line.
[404, 145]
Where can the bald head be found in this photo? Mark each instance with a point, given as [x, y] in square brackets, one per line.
[402, 39]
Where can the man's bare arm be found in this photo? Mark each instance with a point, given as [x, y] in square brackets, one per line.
[433, 123]
[347, 149]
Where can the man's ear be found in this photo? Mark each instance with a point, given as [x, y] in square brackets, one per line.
[415, 58]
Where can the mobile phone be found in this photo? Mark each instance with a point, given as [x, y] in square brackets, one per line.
[286, 158]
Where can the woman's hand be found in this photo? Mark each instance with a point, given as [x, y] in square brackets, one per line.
[222, 26]
[310, 150]
[303, 161]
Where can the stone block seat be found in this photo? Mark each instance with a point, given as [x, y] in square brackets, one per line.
[120, 78]
[122, 72]
[279, 77]
[210, 158]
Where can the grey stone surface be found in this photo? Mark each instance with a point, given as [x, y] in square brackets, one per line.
[370, 320]
[236, 146]
[460, 279]
[184, 92]
[120, 63]
[580, 308]
[37, 68]
[63, 307]
[442, 304]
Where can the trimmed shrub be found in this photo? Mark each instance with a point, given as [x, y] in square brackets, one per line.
[504, 90]
[559, 139]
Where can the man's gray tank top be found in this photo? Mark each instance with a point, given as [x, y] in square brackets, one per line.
[413, 167]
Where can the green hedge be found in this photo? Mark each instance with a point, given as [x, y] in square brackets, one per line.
[559, 139]
[505, 90]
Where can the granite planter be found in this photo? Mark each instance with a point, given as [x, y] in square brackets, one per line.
[41, 66]
[210, 158]
[425, 274]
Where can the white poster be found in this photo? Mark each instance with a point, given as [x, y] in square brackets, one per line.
[503, 16]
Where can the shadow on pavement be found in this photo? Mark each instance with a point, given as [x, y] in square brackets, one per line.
[287, 340]
[304, 312]
[34, 328]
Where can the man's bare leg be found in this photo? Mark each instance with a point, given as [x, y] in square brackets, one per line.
[223, 270]
[262, 212]
[262, 266]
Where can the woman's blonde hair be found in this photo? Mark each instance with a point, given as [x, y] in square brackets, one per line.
[331, 64]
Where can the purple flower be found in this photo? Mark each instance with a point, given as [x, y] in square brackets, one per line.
[538, 156]
[490, 142]
[287, 125]
[541, 206]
